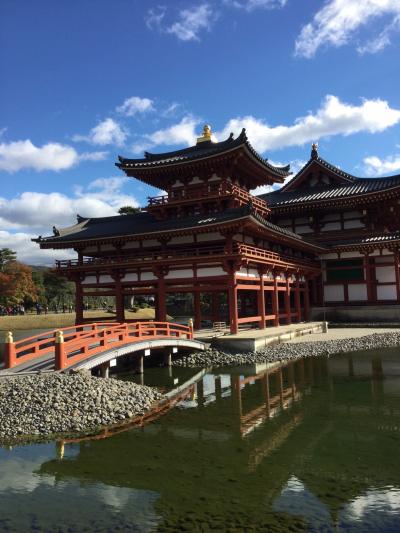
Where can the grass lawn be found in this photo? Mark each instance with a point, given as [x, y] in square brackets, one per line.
[52, 321]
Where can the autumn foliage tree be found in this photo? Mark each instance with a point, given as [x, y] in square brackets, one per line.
[16, 283]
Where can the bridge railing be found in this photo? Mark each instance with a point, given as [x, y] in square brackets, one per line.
[77, 343]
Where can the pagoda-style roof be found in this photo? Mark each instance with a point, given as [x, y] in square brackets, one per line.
[322, 184]
[156, 169]
[145, 225]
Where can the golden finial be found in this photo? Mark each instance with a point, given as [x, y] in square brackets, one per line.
[206, 136]
[314, 150]
[59, 337]
[9, 339]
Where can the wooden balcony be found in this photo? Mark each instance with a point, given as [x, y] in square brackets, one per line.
[258, 255]
[224, 190]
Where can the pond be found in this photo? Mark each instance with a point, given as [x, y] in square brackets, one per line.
[310, 446]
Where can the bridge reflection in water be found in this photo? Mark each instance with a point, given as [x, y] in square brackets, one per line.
[309, 445]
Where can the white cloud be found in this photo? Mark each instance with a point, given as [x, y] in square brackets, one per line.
[250, 5]
[41, 211]
[24, 154]
[31, 213]
[375, 166]
[295, 166]
[155, 17]
[29, 252]
[106, 132]
[134, 105]
[332, 118]
[18, 155]
[182, 133]
[338, 20]
[191, 22]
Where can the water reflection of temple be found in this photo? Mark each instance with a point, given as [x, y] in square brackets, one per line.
[256, 447]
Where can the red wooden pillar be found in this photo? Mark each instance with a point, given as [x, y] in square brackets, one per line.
[119, 298]
[261, 299]
[78, 301]
[275, 301]
[288, 310]
[368, 278]
[233, 304]
[297, 298]
[306, 300]
[396, 270]
[197, 310]
[161, 304]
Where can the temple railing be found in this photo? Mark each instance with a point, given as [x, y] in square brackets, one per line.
[225, 189]
[238, 249]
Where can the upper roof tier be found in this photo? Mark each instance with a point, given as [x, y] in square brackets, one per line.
[321, 184]
[230, 158]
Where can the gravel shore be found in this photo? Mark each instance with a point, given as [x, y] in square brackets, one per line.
[42, 405]
[288, 351]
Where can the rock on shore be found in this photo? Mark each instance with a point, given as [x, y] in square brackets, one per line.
[288, 351]
[43, 405]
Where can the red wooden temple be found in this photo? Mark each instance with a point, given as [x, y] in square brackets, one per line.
[324, 239]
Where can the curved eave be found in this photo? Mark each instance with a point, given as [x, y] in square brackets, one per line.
[324, 164]
[145, 170]
[368, 197]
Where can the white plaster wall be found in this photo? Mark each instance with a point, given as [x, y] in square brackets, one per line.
[184, 239]
[357, 292]
[385, 274]
[210, 271]
[214, 236]
[195, 180]
[147, 276]
[349, 224]
[214, 177]
[304, 229]
[130, 245]
[177, 183]
[184, 273]
[132, 276]
[334, 293]
[385, 251]
[331, 226]
[352, 214]
[89, 279]
[106, 279]
[350, 255]
[384, 259]
[89, 249]
[150, 242]
[386, 292]
[328, 256]
[330, 216]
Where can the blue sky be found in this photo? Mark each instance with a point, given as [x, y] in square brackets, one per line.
[85, 81]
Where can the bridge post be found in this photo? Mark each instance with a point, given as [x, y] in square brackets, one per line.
[10, 356]
[59, 359]
[168, 358]
[140, 365]
[105, 370]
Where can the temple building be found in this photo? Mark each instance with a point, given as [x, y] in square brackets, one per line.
[326, 241]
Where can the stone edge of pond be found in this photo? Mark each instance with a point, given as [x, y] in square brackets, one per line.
[44, 408]
[289, 351]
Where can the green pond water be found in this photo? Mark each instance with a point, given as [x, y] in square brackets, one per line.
[313, 446]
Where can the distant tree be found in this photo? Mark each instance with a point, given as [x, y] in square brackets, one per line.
[57, 289]
[6, 256]
[17, 284]
[128, 210]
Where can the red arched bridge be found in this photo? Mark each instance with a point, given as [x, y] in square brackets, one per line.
[93, 345]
